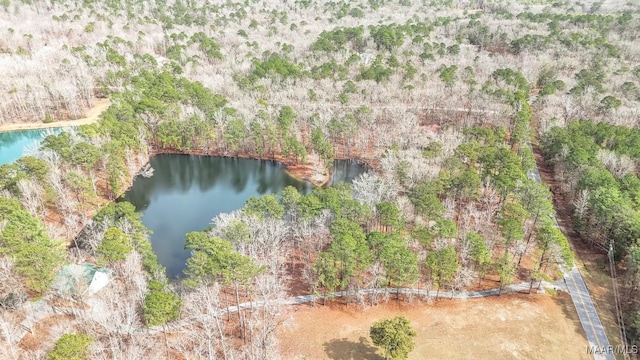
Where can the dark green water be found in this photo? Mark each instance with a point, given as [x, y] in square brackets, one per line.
[186, 192]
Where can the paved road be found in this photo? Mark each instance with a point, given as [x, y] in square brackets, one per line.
[587, 312]
[573, 281]
[581, 298]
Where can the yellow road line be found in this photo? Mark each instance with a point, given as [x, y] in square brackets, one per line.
[584, 306]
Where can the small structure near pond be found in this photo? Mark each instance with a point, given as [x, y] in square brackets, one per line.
[80, 280]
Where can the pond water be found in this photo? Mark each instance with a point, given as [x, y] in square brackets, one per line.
[346, 171]
[186, 192]
[14, 143]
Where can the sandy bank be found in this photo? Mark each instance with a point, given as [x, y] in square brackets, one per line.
[91, 116]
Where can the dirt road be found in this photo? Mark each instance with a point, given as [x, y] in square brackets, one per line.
[91, 116]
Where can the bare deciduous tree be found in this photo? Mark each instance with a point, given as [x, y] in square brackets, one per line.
[10, 332]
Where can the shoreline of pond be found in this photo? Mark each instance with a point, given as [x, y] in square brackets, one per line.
[312, 171]
[303, 172]
[187, 191]
[91, 115]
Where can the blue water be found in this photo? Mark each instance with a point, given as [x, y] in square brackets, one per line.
[186, 192]
[14, 143]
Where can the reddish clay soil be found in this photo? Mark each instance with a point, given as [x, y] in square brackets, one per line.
[564, 211]
[310, 171]
[591, 260]
[44, 333]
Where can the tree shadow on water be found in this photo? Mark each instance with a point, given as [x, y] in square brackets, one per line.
[343, 349]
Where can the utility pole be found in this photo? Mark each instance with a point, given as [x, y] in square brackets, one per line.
[622, 332]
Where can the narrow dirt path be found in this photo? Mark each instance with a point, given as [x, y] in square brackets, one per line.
[91, 116]
[40, 310]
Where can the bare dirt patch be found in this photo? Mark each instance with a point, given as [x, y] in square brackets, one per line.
[46, 332]
[91, 116]
[506, 327]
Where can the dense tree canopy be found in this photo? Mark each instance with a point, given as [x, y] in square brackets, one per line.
[441, 100]
[36, 256]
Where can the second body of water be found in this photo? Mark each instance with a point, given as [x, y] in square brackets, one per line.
[15, 144]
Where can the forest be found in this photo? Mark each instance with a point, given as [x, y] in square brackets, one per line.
[448, 102]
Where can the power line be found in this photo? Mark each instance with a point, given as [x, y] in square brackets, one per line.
[622, 332]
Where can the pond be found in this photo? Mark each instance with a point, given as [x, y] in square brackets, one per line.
[186, 192]
[13, 144]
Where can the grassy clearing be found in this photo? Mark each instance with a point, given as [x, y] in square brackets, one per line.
[507, 327]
